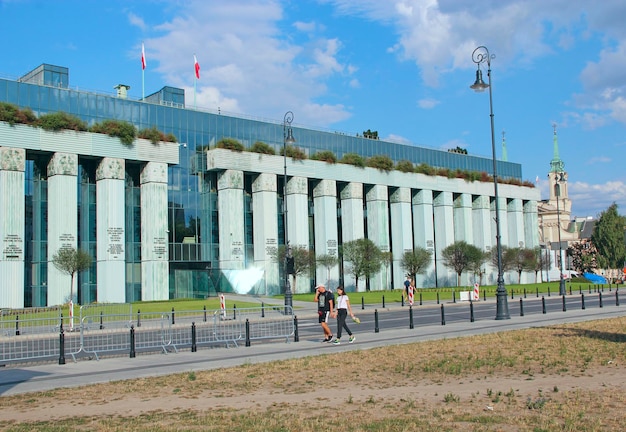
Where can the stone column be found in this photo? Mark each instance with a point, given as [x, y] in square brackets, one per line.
[154, 239]
[377, 199]
[531, 231]
[230, 212]
[463, 229]
[444, 236]
[352, 225]
[515, 223]
[424, 234]
[326, 235]
[62, 223]
[12, 215]
[298, 224]
[484, 237]
[401, 232]
[265, 228]
[111, 231]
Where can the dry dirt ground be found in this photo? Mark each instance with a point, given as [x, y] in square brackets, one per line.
[570, 377]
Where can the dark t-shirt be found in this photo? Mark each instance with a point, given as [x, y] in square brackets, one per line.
[323, 301]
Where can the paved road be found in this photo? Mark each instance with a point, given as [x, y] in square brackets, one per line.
[15, 379]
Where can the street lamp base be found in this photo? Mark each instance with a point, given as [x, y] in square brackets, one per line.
[502, 305]
[288, 301]
[562, 291]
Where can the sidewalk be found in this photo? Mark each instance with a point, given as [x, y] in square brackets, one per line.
[24, 379]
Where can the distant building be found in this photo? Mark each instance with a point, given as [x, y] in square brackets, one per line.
[555, 220]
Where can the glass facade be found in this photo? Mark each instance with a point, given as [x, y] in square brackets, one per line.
[192, 190]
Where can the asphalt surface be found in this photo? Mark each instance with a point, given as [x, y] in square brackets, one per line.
[18, 379]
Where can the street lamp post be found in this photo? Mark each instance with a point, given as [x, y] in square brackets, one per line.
[559, 179]
[287, 139]
[481, 55]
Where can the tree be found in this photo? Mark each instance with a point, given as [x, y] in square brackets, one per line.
[461, 256]
[416, 261]
[583, 256]
[519, 260]
[71, 261]
[327, 261]
[365, 258]
[303, 260]
[608, 238]
[542, 261]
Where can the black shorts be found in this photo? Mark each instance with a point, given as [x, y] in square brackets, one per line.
[323, 316]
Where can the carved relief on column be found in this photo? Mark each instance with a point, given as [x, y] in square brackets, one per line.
[63, 164]
[12, 159]
[111, 168]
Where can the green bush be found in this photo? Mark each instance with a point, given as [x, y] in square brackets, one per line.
[155, 135]
[59, 120]
[261, 147]
[381, 162]
[125, 131]
[425, 169]
[405, 166]
[295, 153]
[353, 159]
[230, 144]
[12, 114]
[325, 156]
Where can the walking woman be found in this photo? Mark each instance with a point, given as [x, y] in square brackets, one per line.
[343, 309]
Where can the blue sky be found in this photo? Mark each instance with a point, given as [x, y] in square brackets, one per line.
[402, 68]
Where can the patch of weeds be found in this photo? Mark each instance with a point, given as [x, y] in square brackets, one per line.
[191, 376]
[555, 389]
[176, 390]
[449, 397]
[536, 404]
[370, 400]
[350, 400]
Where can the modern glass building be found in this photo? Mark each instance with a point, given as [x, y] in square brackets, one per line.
[223, 210]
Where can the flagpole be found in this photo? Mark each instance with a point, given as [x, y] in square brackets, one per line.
[195, 79]
[143, 72]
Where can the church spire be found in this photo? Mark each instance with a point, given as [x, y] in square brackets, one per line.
[505, 157]
[556, 164]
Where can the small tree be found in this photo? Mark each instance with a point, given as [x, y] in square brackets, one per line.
[327, 261]
[416, 261]
[71, 261]
[365, 258]
[303, 260]
[461, 256]
[519, 260]
[542, 261]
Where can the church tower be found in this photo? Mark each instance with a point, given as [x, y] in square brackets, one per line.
[557, 178]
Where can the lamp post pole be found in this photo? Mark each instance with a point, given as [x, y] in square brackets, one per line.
[287, 139]
[559, 178]
[481, 55]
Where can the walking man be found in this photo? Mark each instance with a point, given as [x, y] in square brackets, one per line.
[325, 308]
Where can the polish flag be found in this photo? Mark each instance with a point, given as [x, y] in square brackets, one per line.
[143, 58]
[196, 66]
[537, 179]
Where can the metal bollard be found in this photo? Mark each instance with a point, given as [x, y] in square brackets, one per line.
[471, 311]
[564, 307]
[548, 290]
[383, 302]
[17, 325]
[616, 298]
[443, 316]
[132, 342]
[362, 303]
[138, 318]
[537, 292]
[247, 332]
[61, 346]
[420, 299]
[582, 301]
[521, 308]
[194, 348]
[453, 297]
[600, 296]
[411, 317]
[402, 301]
[437, 297]
[570, 289]
[234, 311]
[296, 337]
[524, 292]
[262, 309]
[580, 289]
[484, 295]
[204, 309]
[173, 317]
[543, 304]
[376, 329]
[101, 323]
[512, 294]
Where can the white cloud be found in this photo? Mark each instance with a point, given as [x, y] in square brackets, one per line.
[136, 21]
[427, 103]
[591, 199]
[599, 159]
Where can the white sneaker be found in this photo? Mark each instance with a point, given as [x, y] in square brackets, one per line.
[352, 339]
